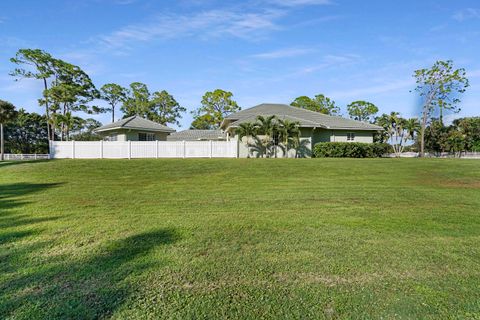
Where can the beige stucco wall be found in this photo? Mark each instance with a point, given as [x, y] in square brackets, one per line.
[360, 136]
[304, 151]
[308, 137]
[325, 135]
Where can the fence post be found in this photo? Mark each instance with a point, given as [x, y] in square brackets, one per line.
[238, 148]
[73, 149]
[35, 157]
[129, 149]
[184, 149]
[211, 148]
[101, 149]
[156, 149]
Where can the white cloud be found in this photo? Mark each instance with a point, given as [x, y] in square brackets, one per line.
[204, 25]
[377, 89]
[10, 85]
[331, 60]
[466, 14]
[283, 53]
[473, 74]
[85, 59]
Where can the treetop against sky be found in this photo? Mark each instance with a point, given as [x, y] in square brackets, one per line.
[261, 50]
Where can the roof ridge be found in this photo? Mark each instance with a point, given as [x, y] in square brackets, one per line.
[128, 119]
[329, 115]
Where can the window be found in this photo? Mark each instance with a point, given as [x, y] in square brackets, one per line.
[350, 136]
[276, 139]
[142, 136]
[112, 137]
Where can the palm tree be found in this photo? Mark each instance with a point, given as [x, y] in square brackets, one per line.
[301, 145]
[267, 127]
[288, 130]
[248, 130]
[412, 127]
[68, 122]
[7, 113]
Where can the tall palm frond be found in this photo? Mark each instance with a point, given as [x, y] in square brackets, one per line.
[248, 130]
[288, 131]
[7, 114]
[267, 127]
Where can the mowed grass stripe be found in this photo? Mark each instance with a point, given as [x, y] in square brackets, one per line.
[240, 238]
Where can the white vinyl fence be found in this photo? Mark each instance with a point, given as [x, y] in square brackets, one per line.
[142, 149]
[13, 156]
[463, 155]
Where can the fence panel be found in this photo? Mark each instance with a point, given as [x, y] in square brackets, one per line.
[115, 150]
[197, 149]
[224, 149]
[61, 149]
[13, 156]
[171, 149]
[87, 149]
[143, 149]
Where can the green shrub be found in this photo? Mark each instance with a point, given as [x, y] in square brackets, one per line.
[350, 150]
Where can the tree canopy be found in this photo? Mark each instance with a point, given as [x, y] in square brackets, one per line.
[7, 114]
[113, 94]
[439, 87]
[165, 109]
[362, 110]
[66, 87]
[160, 106]
[320, 103]
[214, 107]
[27, 133]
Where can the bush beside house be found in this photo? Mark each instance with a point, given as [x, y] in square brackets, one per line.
[350, 150]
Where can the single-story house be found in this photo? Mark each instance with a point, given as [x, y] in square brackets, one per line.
[134, 128]
[314, 127]
[197, 135]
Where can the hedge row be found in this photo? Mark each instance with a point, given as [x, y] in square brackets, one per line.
[350, 150]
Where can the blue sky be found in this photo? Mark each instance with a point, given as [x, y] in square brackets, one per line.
[261, 50]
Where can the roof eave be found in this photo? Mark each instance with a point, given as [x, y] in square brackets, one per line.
[134, 128]
[354, 128]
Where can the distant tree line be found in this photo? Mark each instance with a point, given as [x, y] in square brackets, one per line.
[69, 94]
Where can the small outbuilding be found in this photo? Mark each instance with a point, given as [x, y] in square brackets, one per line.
[134, 128]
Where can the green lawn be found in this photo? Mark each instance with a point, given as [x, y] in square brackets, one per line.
[240, 238]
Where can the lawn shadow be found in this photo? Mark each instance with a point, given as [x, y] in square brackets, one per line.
[83, 288]
[12, 197]
[39, 283]
[8, 163]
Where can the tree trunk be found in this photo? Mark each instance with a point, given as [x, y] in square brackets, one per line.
[113, 114]
[422, 136]
[441, 115]
[47, 111]
[1, 142]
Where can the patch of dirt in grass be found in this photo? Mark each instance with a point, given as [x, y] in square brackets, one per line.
[330, 280]
[475, 184]
[430, 179]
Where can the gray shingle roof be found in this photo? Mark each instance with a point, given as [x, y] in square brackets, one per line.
[306, 118]
[137, 123]
[253, 118]
[193, 135]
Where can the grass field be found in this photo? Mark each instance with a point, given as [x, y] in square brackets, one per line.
[240, 238]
